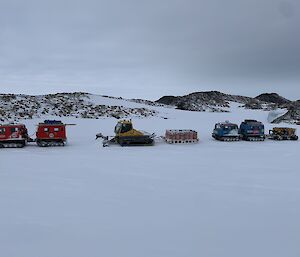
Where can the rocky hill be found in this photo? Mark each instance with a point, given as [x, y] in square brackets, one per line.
[292, 115]
[202, 101]
[273, 98]
[79, 105]
[215, 101]
[84, 105]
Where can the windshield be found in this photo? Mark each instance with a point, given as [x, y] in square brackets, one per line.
[230, 127]
[123, 127]
[126, 128]
[256, 127]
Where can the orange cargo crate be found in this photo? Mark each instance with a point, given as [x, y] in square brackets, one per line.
[181, 136]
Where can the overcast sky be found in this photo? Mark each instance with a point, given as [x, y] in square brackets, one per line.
[138, 48]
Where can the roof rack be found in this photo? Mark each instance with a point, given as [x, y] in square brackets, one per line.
[251, 121]
[52, 122]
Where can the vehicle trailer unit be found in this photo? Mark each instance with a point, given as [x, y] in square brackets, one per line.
[226, 131]
[252, 130]
[13, 135]
[181, 136]
[278, 133]
[51, 133]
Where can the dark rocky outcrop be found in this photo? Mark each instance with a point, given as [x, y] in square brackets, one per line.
[168, 100]
[273, 98]
[210, 101]
[215, 101]
[292, 115]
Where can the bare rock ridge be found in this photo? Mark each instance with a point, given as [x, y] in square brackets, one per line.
[273, 98]
[219, 102]
[204, 101]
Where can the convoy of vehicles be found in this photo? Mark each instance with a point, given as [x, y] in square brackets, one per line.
[53, 133]
[49, 133]
[251, 130]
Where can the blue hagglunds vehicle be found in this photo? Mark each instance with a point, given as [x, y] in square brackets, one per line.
[226, 131]
[252, 130]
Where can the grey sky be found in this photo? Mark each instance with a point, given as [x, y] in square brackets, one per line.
[136, 48]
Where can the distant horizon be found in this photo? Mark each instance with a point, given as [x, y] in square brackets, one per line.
[146, 98]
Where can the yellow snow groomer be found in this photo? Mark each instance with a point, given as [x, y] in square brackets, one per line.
[125, 134]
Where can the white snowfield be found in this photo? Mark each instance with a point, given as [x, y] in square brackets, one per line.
[211, 199]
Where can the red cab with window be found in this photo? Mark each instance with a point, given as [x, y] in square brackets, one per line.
[13, 135]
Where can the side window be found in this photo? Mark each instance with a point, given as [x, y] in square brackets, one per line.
[2, 130]
[46, 129]
[56, 129]
[12, 130]
[118, 128]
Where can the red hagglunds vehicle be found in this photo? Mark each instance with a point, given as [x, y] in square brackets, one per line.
[13, 135]
[51, 133]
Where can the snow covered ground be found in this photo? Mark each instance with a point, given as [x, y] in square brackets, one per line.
[209, 199]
